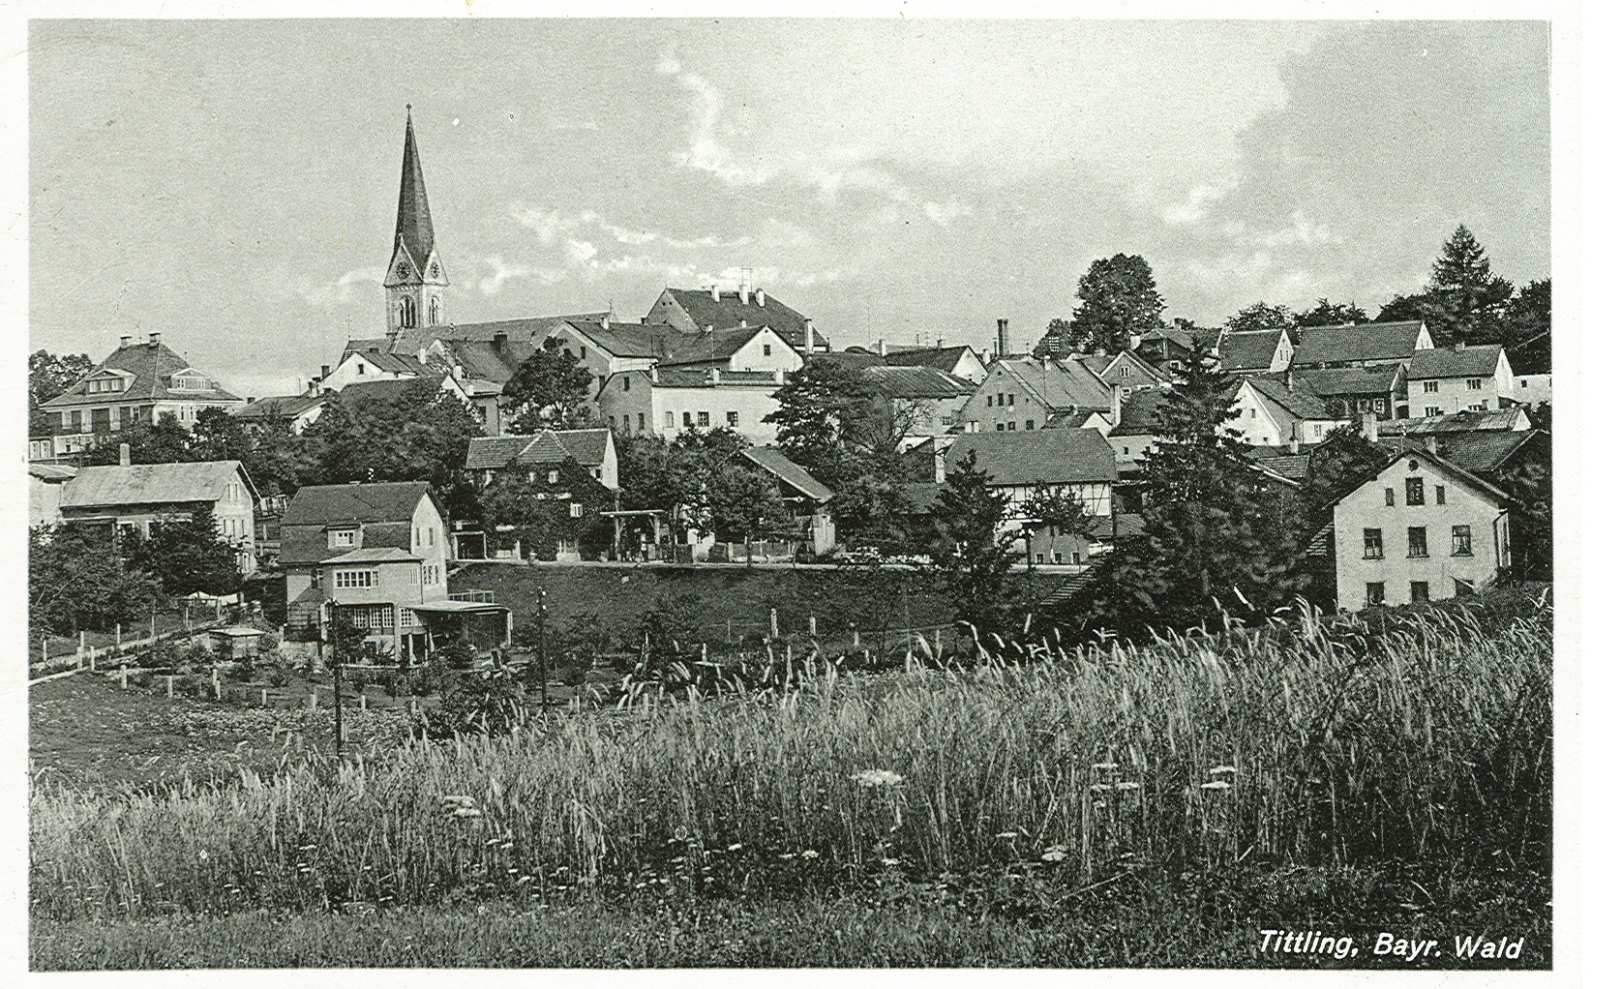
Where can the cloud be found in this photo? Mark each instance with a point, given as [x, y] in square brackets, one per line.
[943, 213]
[341, 289]
[492, 283]
[1197, 205]
[549, 224]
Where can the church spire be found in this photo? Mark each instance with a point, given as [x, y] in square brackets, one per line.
[416, 279]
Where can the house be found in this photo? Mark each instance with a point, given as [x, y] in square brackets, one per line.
[716, 308]
[1349, 392]
[376, 555]
[137, 497]
[592, 449]
[45, 482]
[604, 346]
[1124, 368]
[1445, 380]
[738, 348]
[961, 361]
[1361, 344]
[807, 499]
[1078, 461]
[1514, 420]
[1254, 352]
[1423, 529]
[372, 394]
[1488, 454]
[370, 360]
[1169, 347]
[137, 382]
[1272, 411]
[1134, 435]
[666, 401]
[296, 411]
[1023, 393]
[1532, 389]
[920, 401]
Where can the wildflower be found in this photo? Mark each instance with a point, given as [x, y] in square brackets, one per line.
[735, 846]
[877, 777]
[891, 861]
[1007, 835]
[1217, 785]
[786, 856]
[1127, 785]
[1218, 770]
[808, 854]
[1055, 853]
[204, 855]
[468, 812]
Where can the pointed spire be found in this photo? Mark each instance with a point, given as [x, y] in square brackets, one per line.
[413, 225]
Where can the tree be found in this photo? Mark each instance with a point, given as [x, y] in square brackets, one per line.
[971, 566]
[1468, 298]
[1326, 313]
[1526, 328]
[1214, 529]
[548, 390]
[1402, 308]
[162, 442]
[1060, 337]
[540, 512]
[50, 375]
[1058, 509]
[1342, 462]
[740, 501]
[188, 554]
[346, 642]
[823, 409]
[77, 580]
[1117, 297]
[1260, 316]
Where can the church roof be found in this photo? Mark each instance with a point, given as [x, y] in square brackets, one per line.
[413, 225]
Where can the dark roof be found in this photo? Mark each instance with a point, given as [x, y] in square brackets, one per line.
[1479, 452]
[917, 382]
[146, 370]
[1059, 383]
[1155, 336]
[152, 484]
[1465, 421]
[701, 348]
[1072, 418]
[413, 225]
[628, 339]
[1043, 456]
[772, 460]
[1450, 362]
[853, 357]
[526, 329]
[1301, 403]
[387, 390]
[377, 353]
[727, 311]
[1452, 468]
[586, 446]
[383, 510]
[488, 361]
[683, 377]
[943, 358]
[1349, 380]
[1290, 465]
[279, 407]
[1359, 342]
[1139, 413]
[1247, 351]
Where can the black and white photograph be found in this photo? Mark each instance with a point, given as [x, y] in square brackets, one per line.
[720, 491]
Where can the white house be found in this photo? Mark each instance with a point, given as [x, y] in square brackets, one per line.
[1020, 465]
[1446, 380]
[1423, 529]
[1273, 412]
[1532, 389]
[1023, 393]
[667, 401]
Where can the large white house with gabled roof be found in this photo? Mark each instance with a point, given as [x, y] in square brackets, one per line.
[1446, 380]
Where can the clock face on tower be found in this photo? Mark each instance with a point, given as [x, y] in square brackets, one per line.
[402, 270]
[434, 271]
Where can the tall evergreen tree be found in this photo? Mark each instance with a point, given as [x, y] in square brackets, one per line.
[971, 565]
[188, 554]
[1468, 298]
[50, 375]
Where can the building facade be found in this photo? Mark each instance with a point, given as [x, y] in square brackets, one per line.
[1447, 380]
[668, 401]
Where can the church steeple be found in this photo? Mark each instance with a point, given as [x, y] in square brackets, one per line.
[416, 279]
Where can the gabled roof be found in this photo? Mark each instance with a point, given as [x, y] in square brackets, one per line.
[1337, 381]
[917, 382]
[1072, 418]
[1101, 363]
[1056, 384]
[153, 484]
[586, 446]
[375, 554]
[369, 392]
[944, 359]
[147, 371]
[279, 406]
[485, 360]
[700, 348]
[727, 311]
[1248, 351]
[527, 329]
[627, 339]
[772, 460]
[52, 472]
[1514, 419]
[1479, 452]
[1298, 403]
[1041, 456]
[1290, 465]
[334, 504]
[1455, 470]
[1139, 413]
[1358, 342]
[1176, 336]
[1451, 362]
[377, 353]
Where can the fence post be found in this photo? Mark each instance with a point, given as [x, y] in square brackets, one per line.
[938, 642]
[811, 622]
[170, 678]
[312, 702]
[772, 621]
[119, 636]
[152, 626]
[730, 631]
[91, 661]
[855, 636]
[44, 649]
[263, 697]
[363, 703]
[82, 638]
[122, 674]
[216, 682]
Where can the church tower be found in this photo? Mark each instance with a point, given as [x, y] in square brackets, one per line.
[415, 283]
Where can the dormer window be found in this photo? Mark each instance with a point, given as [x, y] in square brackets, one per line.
[342, 538]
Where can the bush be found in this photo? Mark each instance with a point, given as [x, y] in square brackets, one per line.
[163, 654]
[277, 675]
[456, 655]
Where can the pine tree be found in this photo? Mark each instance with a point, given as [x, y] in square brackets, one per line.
[971, 565]
[1467, 298]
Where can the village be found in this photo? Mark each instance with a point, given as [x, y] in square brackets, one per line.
[721, 426]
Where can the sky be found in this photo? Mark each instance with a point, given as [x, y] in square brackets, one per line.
[232, 185]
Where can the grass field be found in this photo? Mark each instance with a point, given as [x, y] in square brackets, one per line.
[1153, 805]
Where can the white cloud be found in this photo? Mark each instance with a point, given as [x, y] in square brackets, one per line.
[342, 289]
[548, 224]
[943, 213]
[1197, 205]
[580, 252]
[1301, 230]
[503, 272]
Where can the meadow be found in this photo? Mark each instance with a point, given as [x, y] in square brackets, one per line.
[1098, 805]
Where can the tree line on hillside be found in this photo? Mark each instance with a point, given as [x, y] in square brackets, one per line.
[1463, 300]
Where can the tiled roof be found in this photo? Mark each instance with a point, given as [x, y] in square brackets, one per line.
[943, 358]
[369, 392]
[917, 382]
[1290, 465]
[1450, 362]
[1247, 351]
[1491, 420]
[1479, 452]
[487, 361]
[152, 484]
[1363, 342]
[527, 329]
[383, 510]
[1139, 413]
[375, 554]
[377, 353]
[586, 446]
[1060, 383]
[701, 348]
[849, 358]
[628, 339]
[775, 463]
[694, 378]
[1301, 403]
[1173, 335]
[279, 407]
[1043, 456]
[728, 311]
[147, 371]
[52, 472]
[1349, 380]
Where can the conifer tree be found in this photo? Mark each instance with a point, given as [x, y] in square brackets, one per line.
[971, 565]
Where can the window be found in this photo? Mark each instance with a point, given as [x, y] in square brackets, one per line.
[1474, 384]
[1125, 371]
[688, 420]
[430, 535]
[1388, 497]
[1417, 542]
[1364, 404]
[1028, 424]
[553, 477]
[343, 579]
[1523, 383]
[1414, 494]
[1012, 426]
[77, 420]
[667, 420]
[1011, 399]
[1055, 557]
[641, 422]
[766, 350]
[1038, 557]
[1375, 592]
[342, 537]
[1461, 540]
[733, 419]
[626, 382]
[583, 352]
[575, 510]
[408, 618]
[408, 312]
[1125, 452]
[703, 420]
[989, 401]
[1419, 591]
[1432, 410]
[1380, 406]
[316, 578]
[1077, 558]
[1372, 544]
[1252, 413]
[1438, 494]
[1430, 387]
[433, 312]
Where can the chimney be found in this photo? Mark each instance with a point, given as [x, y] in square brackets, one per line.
[742, 324]
[325, 370]
[938, 463]
[155, 339]
[744, 293]
[811, 337]
[716, 376]
[1460, 345]
[1431, 444]
[777, 377]
[605, 321]
[1369, 427]
[1116, 405]
[124, 454]
[1288, 379]
[124, 341]
[1134, 339]
[939, 344]
[883, 348]
[761, 297]
[1294, 443]
[250, 400]
[500, 341]
[986, 356]
[1002, 335]
[716, 293]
